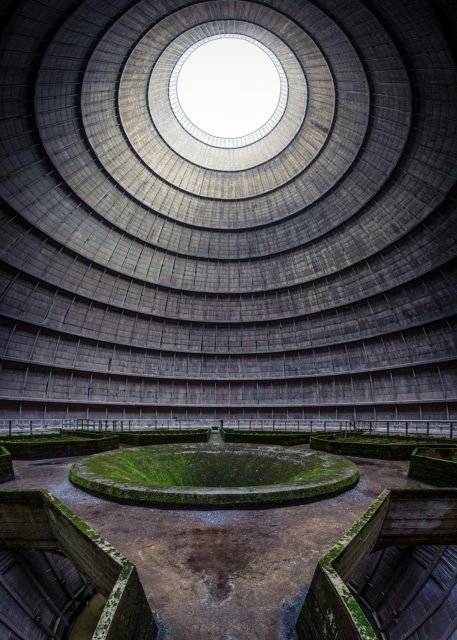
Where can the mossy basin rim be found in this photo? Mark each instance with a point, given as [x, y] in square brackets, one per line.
[218, 475]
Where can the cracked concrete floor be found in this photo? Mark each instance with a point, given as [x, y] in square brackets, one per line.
[221, 575]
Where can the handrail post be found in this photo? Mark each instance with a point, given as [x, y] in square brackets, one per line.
[9, 427]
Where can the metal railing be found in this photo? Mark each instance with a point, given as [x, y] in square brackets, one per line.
[413, 428]
[143, 424]
[302, 424]
[21, 426]
[409, 428]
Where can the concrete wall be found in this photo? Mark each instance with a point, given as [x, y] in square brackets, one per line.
[35, 519]
[6, 465]
[310, 273]
[434, 466]
[54, 446]
[397, 517]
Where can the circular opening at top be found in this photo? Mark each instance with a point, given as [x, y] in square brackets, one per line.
[228, 88]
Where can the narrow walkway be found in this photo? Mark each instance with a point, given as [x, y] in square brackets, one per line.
[216, 437]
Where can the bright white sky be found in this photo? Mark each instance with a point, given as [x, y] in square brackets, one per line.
[228, 87]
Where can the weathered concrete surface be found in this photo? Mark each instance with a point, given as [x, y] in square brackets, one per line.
[221, 575]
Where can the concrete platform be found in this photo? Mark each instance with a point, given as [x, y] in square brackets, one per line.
[221, 575]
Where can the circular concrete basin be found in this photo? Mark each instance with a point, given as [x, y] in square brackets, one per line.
[213, 475]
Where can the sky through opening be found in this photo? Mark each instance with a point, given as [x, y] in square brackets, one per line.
[228, 87]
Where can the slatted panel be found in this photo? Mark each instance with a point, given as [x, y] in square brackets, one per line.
[35, 602]
[410, 592]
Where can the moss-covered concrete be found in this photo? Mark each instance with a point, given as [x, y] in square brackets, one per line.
[53, 527]
[163, 436]
[67, 443]
[216, 475]
[282, 438]
[330, 610]
[401, 517]
[6, 465]
[437, 466]
[373, 446]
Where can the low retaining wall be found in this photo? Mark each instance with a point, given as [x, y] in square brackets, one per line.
[371, 446]
[435, 465]
[330, 609]
[69, 443]
[283, 438]
[6, 465]
[36, 520]
[165, 436]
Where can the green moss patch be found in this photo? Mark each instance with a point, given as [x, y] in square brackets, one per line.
[437, 466]
[372, 446]
[163, 436]
[6, 465]
[59, 445]
[216, 475]
[330, 610]
[282, 438]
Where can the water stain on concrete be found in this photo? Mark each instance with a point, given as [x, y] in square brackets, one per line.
[217, 555]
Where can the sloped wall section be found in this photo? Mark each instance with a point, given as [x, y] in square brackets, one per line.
[144, 272]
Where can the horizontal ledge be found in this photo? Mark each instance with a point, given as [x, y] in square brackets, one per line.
[100, 373]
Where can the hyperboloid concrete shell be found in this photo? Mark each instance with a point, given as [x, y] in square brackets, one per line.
[148, 269]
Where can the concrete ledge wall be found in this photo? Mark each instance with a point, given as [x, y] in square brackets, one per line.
[422, 516]
[6, 465]
[72, 444]
[35, 519]
[265, 437]
[391, 448]
[24, 523]
[329, 610]
[139, 438]
[436, 466]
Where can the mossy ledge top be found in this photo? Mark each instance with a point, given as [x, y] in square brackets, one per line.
[374, 446]
[280, 437]
[436, 466]
[163, 436]
[193, 475]
[67, 443]
[6, 465]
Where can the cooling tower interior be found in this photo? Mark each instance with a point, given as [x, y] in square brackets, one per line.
[150, 269]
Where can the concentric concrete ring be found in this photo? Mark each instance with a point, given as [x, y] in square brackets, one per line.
[310, 273]
[213, 475]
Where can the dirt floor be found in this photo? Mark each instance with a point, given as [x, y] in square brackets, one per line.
[221, 575]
